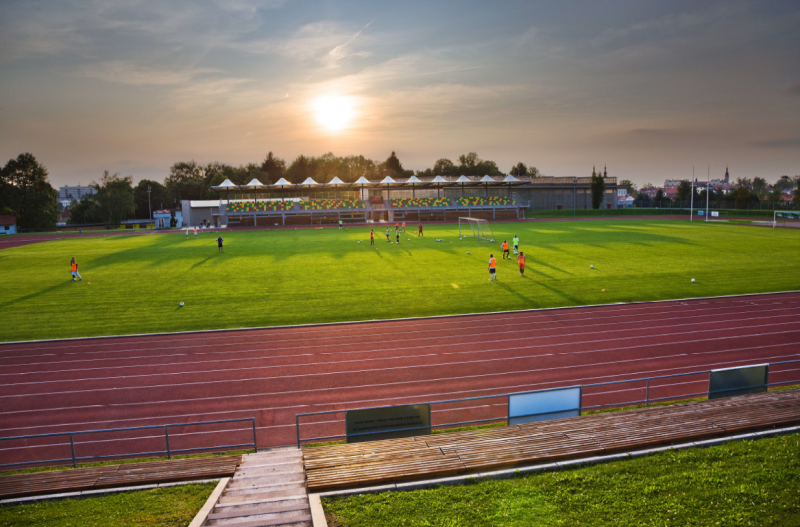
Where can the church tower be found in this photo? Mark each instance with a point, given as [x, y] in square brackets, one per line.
[605, 172]
[727, 176]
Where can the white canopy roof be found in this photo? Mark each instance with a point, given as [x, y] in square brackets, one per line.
[363, 181]
[414, 180]
[439, 179]
[309, 182]
[335, 182]
[282, 183]
[388, 181]
[510, 179]
[463, 179]
[226, 184]
[254, 183]
[487, 179]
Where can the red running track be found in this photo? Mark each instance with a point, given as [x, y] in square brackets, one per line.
[274, 374]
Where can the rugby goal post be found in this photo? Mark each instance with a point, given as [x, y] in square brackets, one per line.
[475, 228]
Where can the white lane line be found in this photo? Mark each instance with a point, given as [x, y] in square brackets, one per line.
[325, 363]
[231, 396]
[431, 321]
[517, 335]
[501, 391]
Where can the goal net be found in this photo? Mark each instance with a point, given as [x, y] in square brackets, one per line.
[786, 219]
[475, 228]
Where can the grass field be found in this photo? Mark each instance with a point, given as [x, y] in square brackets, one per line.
[298, 276]
[741, 483]
[165, 507]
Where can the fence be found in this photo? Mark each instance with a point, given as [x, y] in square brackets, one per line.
[169, 451]
[496, 408]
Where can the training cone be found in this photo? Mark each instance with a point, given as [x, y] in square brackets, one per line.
[604, 290]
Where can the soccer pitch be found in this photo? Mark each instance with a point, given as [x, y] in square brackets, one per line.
[298, 276]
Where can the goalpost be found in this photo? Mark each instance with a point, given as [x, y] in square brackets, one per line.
[475, 228]
[785, 215]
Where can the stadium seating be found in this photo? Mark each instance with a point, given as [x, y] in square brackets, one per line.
[331, 204]
[421, 202]
[261, 206]
[492, 201]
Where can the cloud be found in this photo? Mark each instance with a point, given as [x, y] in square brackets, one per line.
[122, 72]
[794, 89]
[793, 142]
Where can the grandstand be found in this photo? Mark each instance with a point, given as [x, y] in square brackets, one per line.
[388, 200]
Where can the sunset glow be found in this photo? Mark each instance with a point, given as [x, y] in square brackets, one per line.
[334, 113]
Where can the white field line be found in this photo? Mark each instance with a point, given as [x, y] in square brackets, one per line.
[415, 321]
[517, 336]
[366, 360]
[409, 367]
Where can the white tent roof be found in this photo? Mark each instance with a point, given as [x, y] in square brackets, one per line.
[363, 181]
[439, 179]
[414, 180]
[282, 183]
[226, 184]
[309, 182]
[254, 183]
[388, 181]
[335, 182]
[510, 179]
[463, 179]
[487, 179]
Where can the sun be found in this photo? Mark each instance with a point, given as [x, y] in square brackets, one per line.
[334, 113]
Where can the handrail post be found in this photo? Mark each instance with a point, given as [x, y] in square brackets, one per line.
[255, 445]
[647, 395]
[297, 428]
[166, 436]
[72, 448]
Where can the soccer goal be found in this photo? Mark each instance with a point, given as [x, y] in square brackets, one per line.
[793, 218]
[475, 228]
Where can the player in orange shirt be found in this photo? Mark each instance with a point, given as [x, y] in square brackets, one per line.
[492, 268]
[505, 250]
[521, 262]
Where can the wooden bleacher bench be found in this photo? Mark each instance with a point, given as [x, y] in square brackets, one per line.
[110, 476]
[426, 457]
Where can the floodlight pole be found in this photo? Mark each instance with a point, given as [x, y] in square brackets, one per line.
[691, 206]
[148, 202]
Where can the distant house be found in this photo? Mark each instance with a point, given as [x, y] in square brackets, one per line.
[63, 217]
[8, 224]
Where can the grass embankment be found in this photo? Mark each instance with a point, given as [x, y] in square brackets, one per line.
[167, 507]
[739, 483]
[308, 275]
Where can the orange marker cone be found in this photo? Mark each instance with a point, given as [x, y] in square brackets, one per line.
[604, 290]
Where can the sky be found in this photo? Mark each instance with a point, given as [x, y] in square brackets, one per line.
[650, 89]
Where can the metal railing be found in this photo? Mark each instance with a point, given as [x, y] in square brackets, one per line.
[647, 400]
[169, 452]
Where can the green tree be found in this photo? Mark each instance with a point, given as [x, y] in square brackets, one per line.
[158, 196]
[114, 198]
[300, 169]
[26, 192]
[534, 172]
[598, 189]
[519, 170]
[743, 197]
[186, 181]
[358, 166]
[472, 165]
[660, 197]
[444, 167]
[83, 211]
[759, 187]
[392, 166]
[796, 198]
[273, 168]
[784, 183]
[684, 192]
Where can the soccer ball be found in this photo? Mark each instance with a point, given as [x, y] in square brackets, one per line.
[591, 267]
[181, 304]
[692, 280]
[359, 241]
